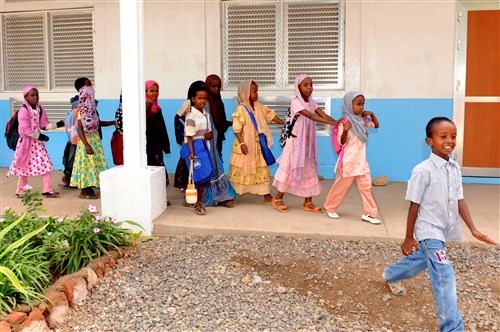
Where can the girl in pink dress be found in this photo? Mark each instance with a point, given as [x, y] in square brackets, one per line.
[352, 164]
[31, 157]
[298, 164]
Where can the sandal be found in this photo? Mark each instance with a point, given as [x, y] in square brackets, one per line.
[51, 194]
[268, 201]
[88, 196]
[199, 209]
[280, 207]
[397, 288]
[309, 206]
[229, 204]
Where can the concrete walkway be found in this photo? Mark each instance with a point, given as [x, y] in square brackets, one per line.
[251, 216]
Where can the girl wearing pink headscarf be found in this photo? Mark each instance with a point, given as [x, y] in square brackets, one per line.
[89, 156]
[157, 141]
[31, 157]
[298, 164]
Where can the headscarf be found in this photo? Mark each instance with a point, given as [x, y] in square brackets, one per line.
[155, 106]
[304, 148]
[358, 126]
[44, 121]
[312, 103]
[244, 98]
[217, 109]
[87, 107]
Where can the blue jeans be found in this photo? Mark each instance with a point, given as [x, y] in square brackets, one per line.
[431, 255]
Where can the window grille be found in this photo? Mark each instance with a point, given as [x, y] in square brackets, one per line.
[281, 104]
[47, 49]
[273, 42]
[56, 110]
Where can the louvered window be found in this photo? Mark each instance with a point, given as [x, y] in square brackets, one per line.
[47, 49]
[273, 42]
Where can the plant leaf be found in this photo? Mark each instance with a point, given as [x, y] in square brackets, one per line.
[13, 279]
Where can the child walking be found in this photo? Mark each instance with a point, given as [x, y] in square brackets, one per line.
[248, 170]
[181, 171]
[352, 164]
[436, 200]
[70, 149]
[31, 157]
[89, 155]
[198, 127]
[298, 170]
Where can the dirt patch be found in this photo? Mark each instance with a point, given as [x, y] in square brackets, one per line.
[353, 289]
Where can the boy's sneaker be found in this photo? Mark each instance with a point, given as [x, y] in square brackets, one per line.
[371, 220]
[396, 287]
[333, 215]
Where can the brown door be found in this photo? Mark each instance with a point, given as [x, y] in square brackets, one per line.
[481, 145]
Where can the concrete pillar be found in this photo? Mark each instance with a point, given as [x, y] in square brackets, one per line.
[133, 191]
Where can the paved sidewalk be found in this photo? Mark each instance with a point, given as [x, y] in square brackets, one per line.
[251, 216]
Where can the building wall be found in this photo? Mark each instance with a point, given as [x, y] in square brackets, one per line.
[400, 55]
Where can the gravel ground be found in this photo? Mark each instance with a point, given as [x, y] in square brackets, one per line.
[277, 283]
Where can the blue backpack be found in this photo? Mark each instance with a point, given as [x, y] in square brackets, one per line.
[71, 126]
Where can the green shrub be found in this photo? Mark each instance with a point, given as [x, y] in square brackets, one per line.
[33, 248]
[23, 275]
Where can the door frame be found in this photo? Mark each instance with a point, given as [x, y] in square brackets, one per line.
[459, 99]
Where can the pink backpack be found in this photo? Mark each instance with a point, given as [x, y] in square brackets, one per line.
[335, 142]
[335, 131]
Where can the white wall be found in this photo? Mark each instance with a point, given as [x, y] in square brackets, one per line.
[407, 49]
[393, 49]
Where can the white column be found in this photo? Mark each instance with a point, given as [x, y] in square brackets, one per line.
[132, 65]
[134, 191]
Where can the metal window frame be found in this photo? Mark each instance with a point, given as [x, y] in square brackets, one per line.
[281, 74]
[281, 104]
[48, 47]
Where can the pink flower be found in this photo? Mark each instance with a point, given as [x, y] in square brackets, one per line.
[114, 220]
[27, 187]
[92, 208]
[96, 230]
[97, 218]
[65, 243]
[60, 219]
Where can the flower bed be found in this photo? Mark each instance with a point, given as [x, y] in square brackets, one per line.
[35, 251]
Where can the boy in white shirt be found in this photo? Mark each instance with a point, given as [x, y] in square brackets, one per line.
[436, 202]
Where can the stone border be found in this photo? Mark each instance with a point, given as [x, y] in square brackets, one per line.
[67, 292]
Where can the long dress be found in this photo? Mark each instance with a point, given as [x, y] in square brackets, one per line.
[87, 167]
[297, 173]
[249, 173]
[157, 141]
[220, 189]
[31, 157]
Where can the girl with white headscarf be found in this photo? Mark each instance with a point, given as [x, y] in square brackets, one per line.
[298, 170]
[351, 164]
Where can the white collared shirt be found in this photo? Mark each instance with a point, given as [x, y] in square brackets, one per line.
[436, 184]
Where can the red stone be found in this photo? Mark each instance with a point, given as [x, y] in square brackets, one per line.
[4, 326]
[16, 317]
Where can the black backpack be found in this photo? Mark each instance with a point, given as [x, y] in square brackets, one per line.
[12, 130]
[286, 131]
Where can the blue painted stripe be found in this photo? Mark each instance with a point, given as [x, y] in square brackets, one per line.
[393, 150]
